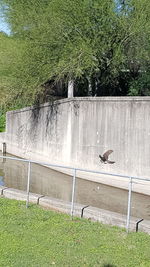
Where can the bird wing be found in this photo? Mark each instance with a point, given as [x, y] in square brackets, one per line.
[107, 153]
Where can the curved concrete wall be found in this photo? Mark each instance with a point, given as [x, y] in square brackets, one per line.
[75, 131]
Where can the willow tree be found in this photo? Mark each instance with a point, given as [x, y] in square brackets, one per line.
[10, 59]
[89, 40]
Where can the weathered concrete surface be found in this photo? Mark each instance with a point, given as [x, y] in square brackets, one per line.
[139, 186]
[20, 195]
[57, 204]
[115, 219]
[75, 131]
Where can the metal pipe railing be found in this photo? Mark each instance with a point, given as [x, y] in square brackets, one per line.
[73, 192]
[77, 169]
[129, 205]
[28, 183]
[131, 178]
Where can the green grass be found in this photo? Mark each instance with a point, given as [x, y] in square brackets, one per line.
[37, 237]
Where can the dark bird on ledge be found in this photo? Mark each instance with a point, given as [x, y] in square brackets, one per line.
[104, 158]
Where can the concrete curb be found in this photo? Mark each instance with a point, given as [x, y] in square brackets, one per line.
[18, 194]
[95, 214]
[115, 219]
[92, 213]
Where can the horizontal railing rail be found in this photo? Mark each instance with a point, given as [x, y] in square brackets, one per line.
[77, 169]
[74, 175]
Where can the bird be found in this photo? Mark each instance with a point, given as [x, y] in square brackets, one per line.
[104, 158]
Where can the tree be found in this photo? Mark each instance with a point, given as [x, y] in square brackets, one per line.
[137, 46]
[90, 42]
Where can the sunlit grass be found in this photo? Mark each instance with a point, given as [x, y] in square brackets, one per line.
[37, 237]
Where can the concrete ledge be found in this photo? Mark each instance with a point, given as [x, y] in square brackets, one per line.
[106, 217]
[21, 195]
[53, 203]
[60, 205]
[115, 219]
[86, 98]
[95, 214]
[144, 226]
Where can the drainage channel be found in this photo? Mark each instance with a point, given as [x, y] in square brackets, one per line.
[54, 184]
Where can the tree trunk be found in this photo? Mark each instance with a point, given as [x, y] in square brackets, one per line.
[70, 88]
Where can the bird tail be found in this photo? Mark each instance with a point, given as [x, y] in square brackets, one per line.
[110, 162]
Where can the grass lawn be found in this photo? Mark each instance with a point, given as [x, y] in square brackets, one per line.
[38, 237]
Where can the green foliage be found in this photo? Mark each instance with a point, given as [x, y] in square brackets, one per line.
[37, 237]
[2, 122]
[140, 86]
[10, 58]
[66, 41]
[104, 43]
[14, 90]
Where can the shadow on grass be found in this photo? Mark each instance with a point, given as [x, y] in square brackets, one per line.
[109, 265]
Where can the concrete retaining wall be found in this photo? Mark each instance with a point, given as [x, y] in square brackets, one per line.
[75, 131]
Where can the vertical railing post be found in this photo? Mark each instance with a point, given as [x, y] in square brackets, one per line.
[28, 184]
[4, 149]
[129, 205]
[73, 192]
